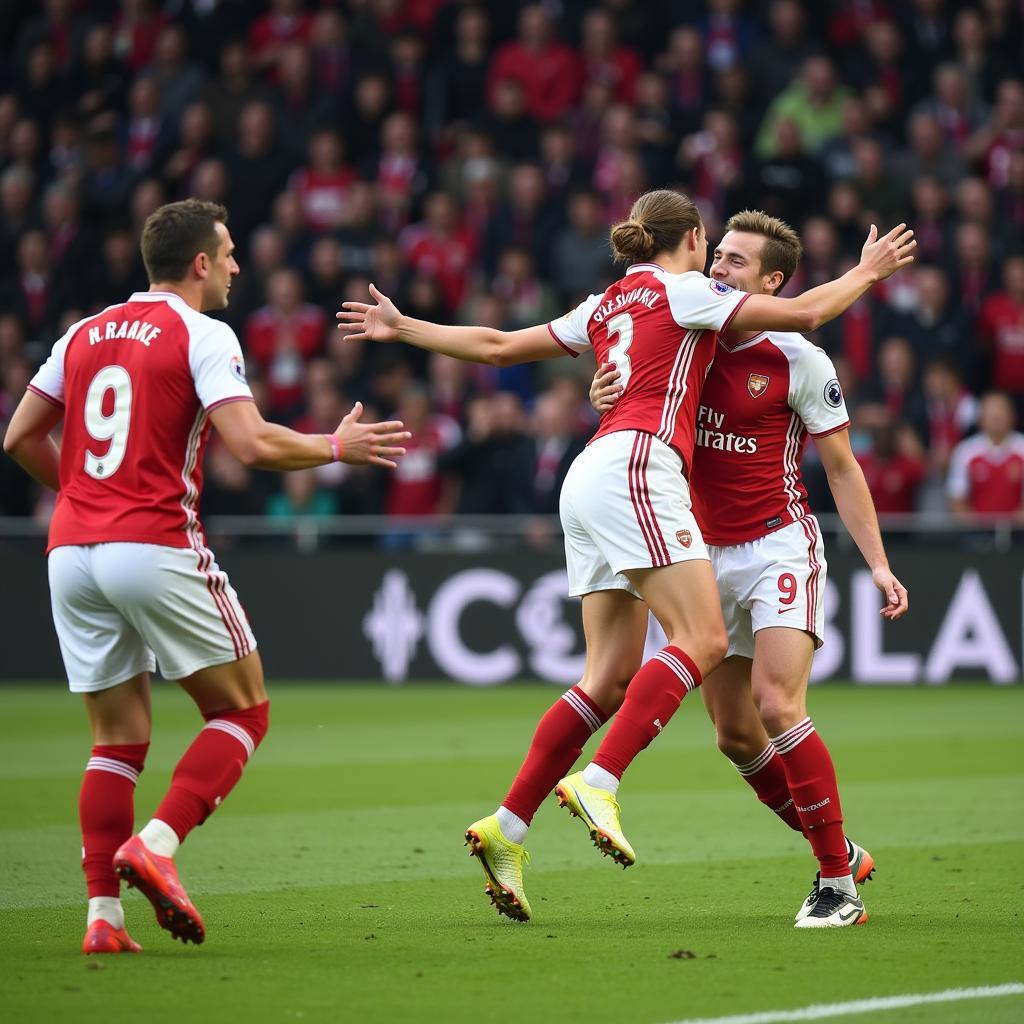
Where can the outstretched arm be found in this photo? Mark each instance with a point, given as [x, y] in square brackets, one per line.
[255, 442]
[857, 510]
[880, 258]
[28, 439]
[382, 321]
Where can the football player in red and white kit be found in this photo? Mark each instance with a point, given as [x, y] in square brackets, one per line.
[765, 393]
[630, 535]
[133, 584]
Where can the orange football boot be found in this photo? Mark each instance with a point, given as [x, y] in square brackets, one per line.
[157, 879]
[102, 937]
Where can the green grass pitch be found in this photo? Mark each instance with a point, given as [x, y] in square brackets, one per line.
[335, 885]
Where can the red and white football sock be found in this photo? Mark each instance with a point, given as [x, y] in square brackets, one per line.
[766, 775]
[812, 782]
[106, 812]
[557, 742]
[205, 775]
[652, 698]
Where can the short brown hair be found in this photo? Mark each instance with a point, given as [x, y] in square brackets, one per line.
[782, 248]
[175, 233]
[657, 223]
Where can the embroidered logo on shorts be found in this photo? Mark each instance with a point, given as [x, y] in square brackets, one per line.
[238, 368]
[757, 384]
[684, 537]
[720, 287]
[833, 393]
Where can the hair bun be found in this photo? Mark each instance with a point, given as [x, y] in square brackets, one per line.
[632, 240]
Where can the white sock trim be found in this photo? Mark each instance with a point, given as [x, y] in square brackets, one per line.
[600, 778]
[666, 657]
[223, 725]
[753, 767]
[844, 884]
[108, 764]
[106, 908]
[513, 828]
[158, 837]
[583, 709]
[792, 738]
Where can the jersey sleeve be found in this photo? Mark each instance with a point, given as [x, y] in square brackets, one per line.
[699, 303]
[48, 381]
[815, 394]
[570, 331]
[217, 366]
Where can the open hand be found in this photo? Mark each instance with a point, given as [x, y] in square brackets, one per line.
[896, 600]
[604, 389]
[884, 256]
[377, 443]
[364, 322]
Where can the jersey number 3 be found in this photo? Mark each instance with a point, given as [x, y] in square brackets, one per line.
[112, 427]
[622, 325]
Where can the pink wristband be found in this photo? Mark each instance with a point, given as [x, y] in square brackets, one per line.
[337, 448]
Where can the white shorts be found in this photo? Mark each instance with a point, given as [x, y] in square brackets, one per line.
[776, 580]
[120, 609]
[625, 504]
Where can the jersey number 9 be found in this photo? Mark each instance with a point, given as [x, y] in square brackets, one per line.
[113, 427]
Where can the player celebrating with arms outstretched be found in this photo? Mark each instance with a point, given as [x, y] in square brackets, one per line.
[767, 391]
[137, 387]
[625, 506]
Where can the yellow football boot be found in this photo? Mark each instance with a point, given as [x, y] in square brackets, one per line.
[599, 811]
[502, 862]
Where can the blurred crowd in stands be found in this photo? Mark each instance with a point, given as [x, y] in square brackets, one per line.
[468, 158]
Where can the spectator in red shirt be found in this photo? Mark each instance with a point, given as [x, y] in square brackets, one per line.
[950, 411]
[323, 184]
[986, 474]
[894, 467]
[605, 59]
[285, 22]
[418, 489]
[136, 28]
[548, 70]
[1001, 329]
[282, 336]
[440, 247]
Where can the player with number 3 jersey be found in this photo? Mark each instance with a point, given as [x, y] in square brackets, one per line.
[766, 393]
[133, 584]
[631, 539]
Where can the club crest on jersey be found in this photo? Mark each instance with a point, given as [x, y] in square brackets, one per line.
[721, 287]
[684, 537]
[833, 393]
[238, 368]
[757, 384]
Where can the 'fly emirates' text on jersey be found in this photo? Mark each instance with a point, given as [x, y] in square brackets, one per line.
[760, 401]
[659, 331]
[137, 383]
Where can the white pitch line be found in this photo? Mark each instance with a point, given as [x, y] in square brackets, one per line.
[821, 1011]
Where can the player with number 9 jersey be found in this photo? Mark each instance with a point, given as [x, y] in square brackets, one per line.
[132, 582]
[138, 382]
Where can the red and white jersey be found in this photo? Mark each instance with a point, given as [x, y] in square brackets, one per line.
[659, 329]
[761, 400]
[989, 477]
[137, 383]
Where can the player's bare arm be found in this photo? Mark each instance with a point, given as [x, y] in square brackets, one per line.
[262, 445]
[880, 258]
[382, 321]
[28, 439]
[857, 510]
